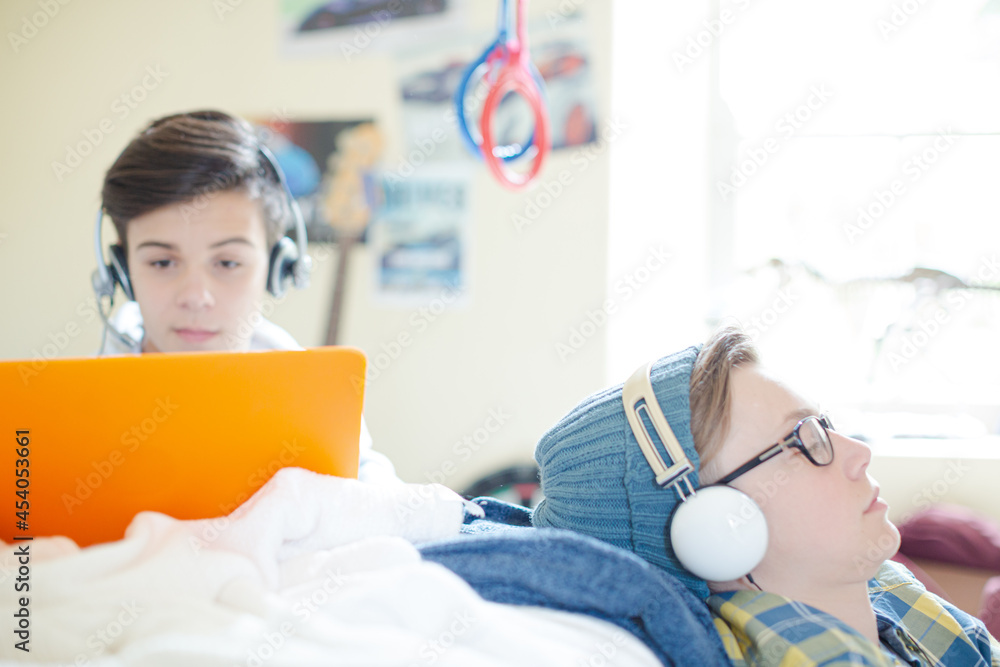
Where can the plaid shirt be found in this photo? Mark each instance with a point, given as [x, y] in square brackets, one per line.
[916, 628]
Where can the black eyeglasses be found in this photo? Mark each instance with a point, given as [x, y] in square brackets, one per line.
[811, 436]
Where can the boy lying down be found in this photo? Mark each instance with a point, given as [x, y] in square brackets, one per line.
[795, 567]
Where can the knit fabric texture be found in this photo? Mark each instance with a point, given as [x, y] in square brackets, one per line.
[596, 480]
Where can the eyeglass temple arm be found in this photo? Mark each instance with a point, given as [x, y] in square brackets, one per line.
[776, 449]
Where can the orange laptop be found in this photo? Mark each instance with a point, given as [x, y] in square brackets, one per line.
[91, 442]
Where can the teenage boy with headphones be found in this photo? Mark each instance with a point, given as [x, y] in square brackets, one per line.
[723, 477]
[201, 208]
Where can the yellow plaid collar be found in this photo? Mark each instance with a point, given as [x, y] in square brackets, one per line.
[916, 628]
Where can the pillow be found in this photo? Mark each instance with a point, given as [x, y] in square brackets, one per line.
[952, 534]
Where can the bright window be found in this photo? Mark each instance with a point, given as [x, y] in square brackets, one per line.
[828, 174]
[863, 141]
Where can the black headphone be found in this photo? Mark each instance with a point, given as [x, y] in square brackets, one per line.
[289, 261]
[718, 533]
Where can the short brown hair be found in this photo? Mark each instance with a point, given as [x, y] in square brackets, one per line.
[728, 348]
[183, 157]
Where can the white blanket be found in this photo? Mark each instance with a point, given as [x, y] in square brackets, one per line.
[313, 570]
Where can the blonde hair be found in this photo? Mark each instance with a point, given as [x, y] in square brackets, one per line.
[727, 348]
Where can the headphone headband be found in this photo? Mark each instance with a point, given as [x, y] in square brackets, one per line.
[638, 396]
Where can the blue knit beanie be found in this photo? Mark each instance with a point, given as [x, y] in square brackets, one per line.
[596, 481]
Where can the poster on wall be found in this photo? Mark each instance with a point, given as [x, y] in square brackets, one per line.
[427, 86]
[329, 168]
[562, 57]
[354, 28]
[419, 238]
[429, 78]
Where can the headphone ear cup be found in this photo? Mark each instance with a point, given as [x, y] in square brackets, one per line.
[284, 255]
[118, 269]
[719, 533]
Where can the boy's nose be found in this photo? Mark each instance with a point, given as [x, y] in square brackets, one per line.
[195, 293]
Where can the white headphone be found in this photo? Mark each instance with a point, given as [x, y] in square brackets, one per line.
[288, 262]
[717, 533]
